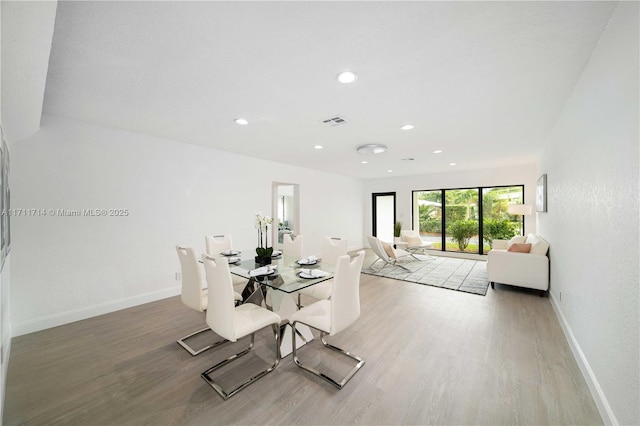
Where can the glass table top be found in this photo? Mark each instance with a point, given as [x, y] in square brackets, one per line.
[286, 278]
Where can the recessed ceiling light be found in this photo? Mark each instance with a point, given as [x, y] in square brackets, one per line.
[389, 171]
[241, 121]
[372, 148]
[347, 77]
[318, 147]
[437, 151]
[452, 164]
[364, 162]
[407, 127]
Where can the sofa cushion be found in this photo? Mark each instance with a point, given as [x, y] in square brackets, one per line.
[388, 249]
[517, 239]
[538, 245]
[520, 247]
[412, 241]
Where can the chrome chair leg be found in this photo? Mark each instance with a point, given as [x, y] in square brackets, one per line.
[419, 251]
[182, 342]
[228, 394]
[403, 267]
[338, 384]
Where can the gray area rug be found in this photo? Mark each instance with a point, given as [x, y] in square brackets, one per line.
[469, 276]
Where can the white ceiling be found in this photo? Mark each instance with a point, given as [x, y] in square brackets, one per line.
[483, 81]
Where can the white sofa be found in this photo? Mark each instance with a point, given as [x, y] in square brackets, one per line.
[529, 270]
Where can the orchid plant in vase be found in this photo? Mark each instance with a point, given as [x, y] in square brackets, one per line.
[263, 250]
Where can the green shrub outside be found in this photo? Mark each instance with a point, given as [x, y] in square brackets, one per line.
[455, 213]
[461, 232]
[497, 230]
[430, 219]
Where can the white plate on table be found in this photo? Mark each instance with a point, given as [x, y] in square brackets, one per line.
[312, 274]
[306, 262]
[230, 253]
[232, 259]
[276, 253]
[263, 272]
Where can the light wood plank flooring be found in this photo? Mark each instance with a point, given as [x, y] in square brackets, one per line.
[433, 356]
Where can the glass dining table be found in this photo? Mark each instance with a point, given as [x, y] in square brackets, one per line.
[277, 289]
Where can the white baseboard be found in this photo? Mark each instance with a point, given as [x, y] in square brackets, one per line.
[459, 255]
[608, 417]
[90, 311]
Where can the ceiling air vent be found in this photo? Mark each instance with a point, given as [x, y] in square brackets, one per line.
[334, 121]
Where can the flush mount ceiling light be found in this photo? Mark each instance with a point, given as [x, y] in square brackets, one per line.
[407, 127]
[347, 77]
[241, 121]
[372, 148]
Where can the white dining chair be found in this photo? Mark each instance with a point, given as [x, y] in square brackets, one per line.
[234, 322]
[216, 244]
[335, 315]
[332, 249]
[193, 295]
[292, 246]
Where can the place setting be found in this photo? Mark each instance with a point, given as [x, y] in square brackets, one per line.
[311, 260]
[311, 274]
[231, 256]
[264, 271]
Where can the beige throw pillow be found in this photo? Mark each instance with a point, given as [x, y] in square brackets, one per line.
[520, 247]
[389, 250]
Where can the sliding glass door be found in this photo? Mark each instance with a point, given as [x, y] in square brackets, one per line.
[467, 219]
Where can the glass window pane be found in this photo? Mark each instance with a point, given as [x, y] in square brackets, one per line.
[497, 223]
[384, 216]
[427, 214]
[461, 220]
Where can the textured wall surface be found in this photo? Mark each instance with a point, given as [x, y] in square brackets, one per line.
[592, 219]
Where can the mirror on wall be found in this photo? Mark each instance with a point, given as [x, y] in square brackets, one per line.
[286, 211]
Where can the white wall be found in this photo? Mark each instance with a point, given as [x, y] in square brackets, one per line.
[26, 31]
[403, 185]
[592, 219]
[69, 268]
[27, 28]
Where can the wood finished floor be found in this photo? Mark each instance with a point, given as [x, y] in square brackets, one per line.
[433, 356]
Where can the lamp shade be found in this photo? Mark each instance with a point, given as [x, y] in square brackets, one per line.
[520, 209]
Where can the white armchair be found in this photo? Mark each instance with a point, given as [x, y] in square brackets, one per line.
[386, 253]
[414, 244]
[530, 270]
